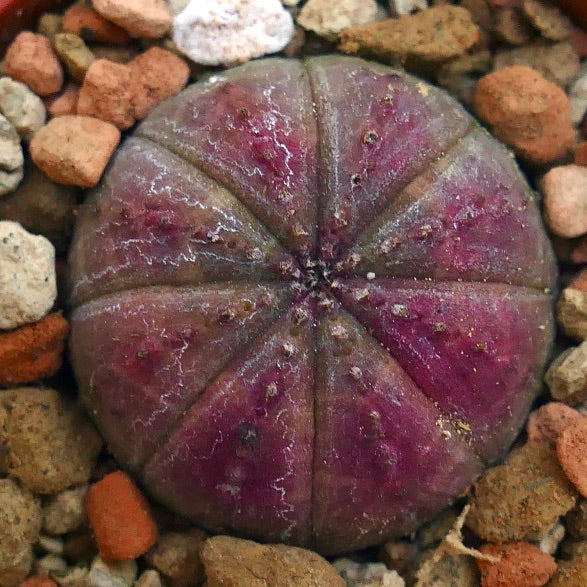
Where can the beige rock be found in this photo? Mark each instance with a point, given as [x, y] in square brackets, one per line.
[105, 573]
[231, 562]
[148, 578]
[527, 112]
[74, 53]
[398, 554]
[551, 539]
[177, 557]
[510, 26]
[456, 570]
[565, 200]
[140, 18]
[548, 19]
[74, 150]
[107, 93]
[64, 511]
[567, 375]
[24, 109]
[20, 523]
[11, 157]
[64, 103]
[328, 19]
[52, 444]
[571, 448]
[157, 74]
[547, 422]
[50, 24]
[571, 313]
[404, 7]
[522, 498]
[571, 573]
[367, 574]
[27, 276]
[432, 36]
[31, 60]
[520, 565]
[50, 544]
[50, 564]
[557, 62]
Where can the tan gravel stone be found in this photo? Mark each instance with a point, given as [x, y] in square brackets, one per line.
[64, 103]
[157, 74]
[520, 565]
[107, 93]
[547, 422]
[140, 18]
[527, 112]
[522, 498]
[432, 36]
[74, 150]
[30, 59]
[52, 444]
[74, 53]
[567, 375]
[570, 574]
[232, 562]
[571, 313]
[571, 448]
[510, 26]
[65, 511]
[548, 19]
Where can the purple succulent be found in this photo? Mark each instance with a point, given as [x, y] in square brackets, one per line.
[311, 302]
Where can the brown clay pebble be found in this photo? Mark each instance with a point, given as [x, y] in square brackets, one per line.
[571, 448]
[548, 422]
[527, 112]
[30, 59]
[74, 150]
[520, 565]
[581, 154]
[141, 18]
[32, 351]
[90, 26]
[107, 93]
[64, 103]
[157, 74]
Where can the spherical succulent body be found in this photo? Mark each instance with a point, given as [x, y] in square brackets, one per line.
[311, 302]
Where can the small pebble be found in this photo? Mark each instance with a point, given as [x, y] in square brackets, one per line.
[20, 523]
[11, 157]
[23, 108]
[548, 19]
[107, 93]
[547, 422]
[432, 36]
[30, 59]
[177, 557]
[578, 97]
[36, 415]
[527, 112]
[50, 24]
[140, 18]
[228, 32]
[571, 573]
[510, 26]
[520, 565]
[89, 25]
[522, 498]
[64, 103]
[551, 539]
[328, 19]
[74, 53]
[50, 564]
[120, 518]
[111, 573]
[74, 150]
[65, 512]
[571, 313]
[148, 578]
[404, 7]
[571, 448]
[233, 561]
[27, 276]
[565, 200]
[33, 351]
[50, 544]
[367, 574]
[157, 74]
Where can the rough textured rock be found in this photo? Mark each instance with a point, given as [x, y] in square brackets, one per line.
[404, 7]
[227, 32]
[527, 112]
[521, 498]
[35, 416]
[510, 26]
[230, 562]
[20, 522]
[549, 20]
[213, 205]
[64, 512]
[571, 313]
[367, 574]
[74, 150]
[546, 423]
[140, 18]
[27, 276]
[432, 36]
[571, 448]
[23, 108]
[328, 19]
[11, 158]
[90, 26]
[31, 60]
[565, 200]
[74, 53]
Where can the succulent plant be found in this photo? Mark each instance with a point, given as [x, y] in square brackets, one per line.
[311, 302]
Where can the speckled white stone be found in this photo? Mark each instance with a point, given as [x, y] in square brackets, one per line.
[27, 276]
[22, 107]
[227, 32]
